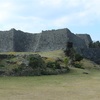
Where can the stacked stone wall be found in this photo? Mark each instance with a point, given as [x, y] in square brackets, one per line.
[6, 41]
[15, 40]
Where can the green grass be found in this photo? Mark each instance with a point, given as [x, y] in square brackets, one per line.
[50, 54]
[72, 86]
[53, 54]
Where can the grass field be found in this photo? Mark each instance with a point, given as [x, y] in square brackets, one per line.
[72, 86]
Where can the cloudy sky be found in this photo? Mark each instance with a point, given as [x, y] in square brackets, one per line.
[80, 16]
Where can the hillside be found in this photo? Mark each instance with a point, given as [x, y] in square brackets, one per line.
[49, 63]
[23, 53]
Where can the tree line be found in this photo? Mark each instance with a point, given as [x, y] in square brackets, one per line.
[95, 44]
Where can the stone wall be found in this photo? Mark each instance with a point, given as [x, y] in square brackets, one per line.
[52, 40]
[57, 39]
[86, 38]
[6, 41]
[24, 42]
[18, 41]
[77, 41]
[15, 40]
[92, 54]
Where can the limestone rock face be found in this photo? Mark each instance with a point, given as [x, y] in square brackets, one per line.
[19, 41]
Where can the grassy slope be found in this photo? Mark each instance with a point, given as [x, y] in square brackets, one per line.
[72, 86]
[51, 54]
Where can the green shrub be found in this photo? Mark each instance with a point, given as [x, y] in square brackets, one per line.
[95, 44]
[1, 66]
[66, 60]
[78, 65]
[36, 61]
[57, 65]
[78, 57]
[53, 65]
[18, 70]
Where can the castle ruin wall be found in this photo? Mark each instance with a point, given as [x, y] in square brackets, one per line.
[6, 41]
[19, 41]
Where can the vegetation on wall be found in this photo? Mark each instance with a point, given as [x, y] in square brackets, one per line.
[74, 57]
[29, 65]
[95, 44]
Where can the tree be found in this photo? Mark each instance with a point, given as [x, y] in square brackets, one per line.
[71, 53]
[94, 44]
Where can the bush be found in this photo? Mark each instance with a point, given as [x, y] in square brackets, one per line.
[57, 65]
[78, 57]
[95, 44]
[36, 61]
[78, 65]
[1, 66]
[18, 70]
[66, 60]
[53, 65]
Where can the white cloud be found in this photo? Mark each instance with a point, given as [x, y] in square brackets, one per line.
[51, 3]
[81, 12]
[61, 22]
[36, 15]
[5, 11]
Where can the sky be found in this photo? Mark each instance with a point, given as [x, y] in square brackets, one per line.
[80, 16]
